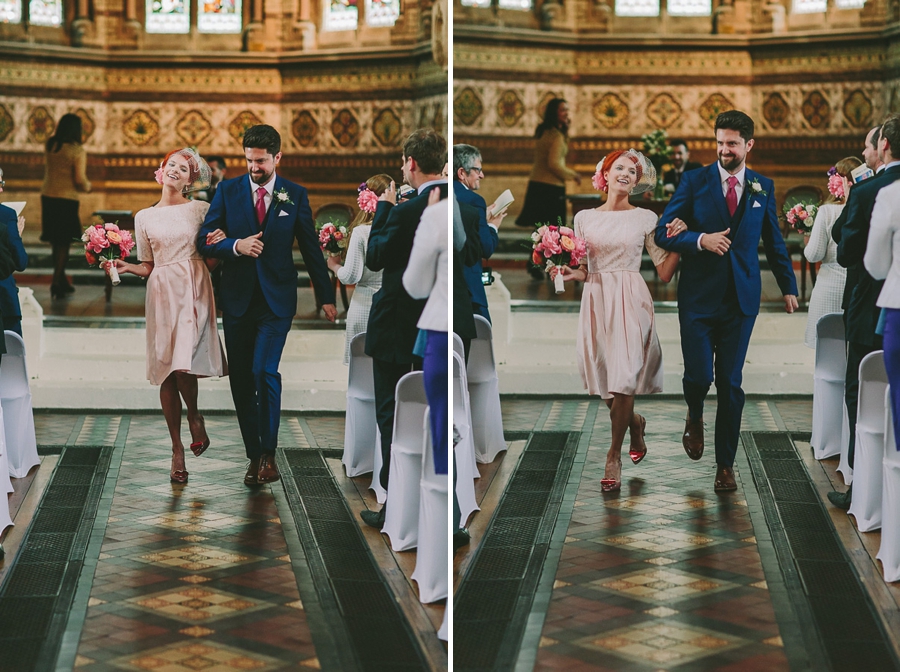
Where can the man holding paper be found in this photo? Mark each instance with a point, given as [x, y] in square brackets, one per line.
[467, 167]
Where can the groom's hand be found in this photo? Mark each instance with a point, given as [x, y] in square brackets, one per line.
[251, 246]
[718, 242]
[790, 303]
[330, 311]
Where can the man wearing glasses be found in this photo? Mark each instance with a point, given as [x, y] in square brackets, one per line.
[468, 170]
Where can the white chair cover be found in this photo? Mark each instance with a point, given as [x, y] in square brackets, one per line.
[431, 555]
[5, 485]
[828, 387]
[15, 397]
[458, 346]
[360, 426]
[444, 632]
[889, 553]
[401, 522]
[375, 485]
[484, 395]
[844, 467]
[868, 458]
[466, 468]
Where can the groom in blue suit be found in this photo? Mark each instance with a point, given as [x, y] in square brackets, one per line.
[261, 215]
[715, 220]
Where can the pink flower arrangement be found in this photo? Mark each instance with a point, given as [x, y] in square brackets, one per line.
[159, 174]
[557, 245]
[835, 184]
[367, 199]
[801, 216]
[105, 242]
[599, 181]
[333, 239]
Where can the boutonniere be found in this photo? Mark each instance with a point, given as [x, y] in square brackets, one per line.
[756, 188]
[282, 197]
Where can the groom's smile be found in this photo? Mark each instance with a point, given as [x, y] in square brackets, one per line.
[732, 149]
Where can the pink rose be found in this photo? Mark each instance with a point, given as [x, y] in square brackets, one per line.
[114, 237]
[338, 235]
[566, 231]
[567, 244]
[836, 186]
[598, 182]
[97, 239]
[158, 175]
[367, 200]
[551, 243]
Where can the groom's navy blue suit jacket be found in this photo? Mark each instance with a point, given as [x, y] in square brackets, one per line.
[704, 279]
[232, 211]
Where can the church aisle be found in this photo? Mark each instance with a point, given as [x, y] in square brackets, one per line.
[207, 575]
[664, 574]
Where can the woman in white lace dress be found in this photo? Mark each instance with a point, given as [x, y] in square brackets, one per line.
[351, 270]
[829, 290]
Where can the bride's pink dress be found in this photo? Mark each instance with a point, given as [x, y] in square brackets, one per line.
[180, 309]
[618, 350]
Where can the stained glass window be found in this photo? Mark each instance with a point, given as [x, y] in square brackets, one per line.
[219, 16]
[515, 4]
[10, 11]
[341, 15]
[45, 12]
[808, 6]
[637, 7]
[689, 7]
[849, 4]
[476, 3]
[382, 12]
[167, 16]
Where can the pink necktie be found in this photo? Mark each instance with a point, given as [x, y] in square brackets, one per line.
[731, 195]
[260, 206]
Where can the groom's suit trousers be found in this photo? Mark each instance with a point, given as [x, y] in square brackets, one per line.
[254, 342]
[714, 347]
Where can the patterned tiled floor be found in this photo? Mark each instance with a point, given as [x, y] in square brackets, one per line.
[664, 574]
[200, 576]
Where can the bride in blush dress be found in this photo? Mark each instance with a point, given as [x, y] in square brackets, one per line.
[182, 337]
[619, 354]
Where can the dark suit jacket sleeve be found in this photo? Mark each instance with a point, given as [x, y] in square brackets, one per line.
[776, 251]
[855, 231]
[681, 206]
[472, 251]
[379, 235]
[305, 232]
[16, 248]
[489, 237]
[215, 219]
[7, 265]
[838, 228]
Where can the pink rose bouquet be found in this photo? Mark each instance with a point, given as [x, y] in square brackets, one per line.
[332, 239]
[801, 216]
[557, 245]
[105, 243]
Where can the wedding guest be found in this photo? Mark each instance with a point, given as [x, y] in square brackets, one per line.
[10, 309]
[64, 178]
[391, 333]
[619, 354]
[350, 267]
[828, 292]
[217, 170]
[851, 233]
[545, 197]
[425, 277]
[467, 167]
[680, 164]
[182, 336]
[882, 261]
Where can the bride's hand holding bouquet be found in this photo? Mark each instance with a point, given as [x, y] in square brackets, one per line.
[557, 250]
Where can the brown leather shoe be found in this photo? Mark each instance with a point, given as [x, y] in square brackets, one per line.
[268, 472]
[724, 479]
[692, 440]
[250, 478]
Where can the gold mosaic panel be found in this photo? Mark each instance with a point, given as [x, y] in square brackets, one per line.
[816, 110]
[40, 124]
[467, 106]
[611, 111]
[141, 128]
[241, 123]
[776, 110]
[663, 110]
[6, 123]
[510, 108]
[193, 128]
[712, 107]
[387, 127]
[858, 109]
[345, 128]
[305, 128]
[87, 124]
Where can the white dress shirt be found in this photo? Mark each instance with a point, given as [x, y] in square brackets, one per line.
[268, 188]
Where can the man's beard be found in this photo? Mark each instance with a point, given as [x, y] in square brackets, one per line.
[730, 164]
[265, 177]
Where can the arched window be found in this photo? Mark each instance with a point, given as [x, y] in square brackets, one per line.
[689, 7]
[344, 15]
[10, 11]
[40, 12]
[213, 16]
[637, 7]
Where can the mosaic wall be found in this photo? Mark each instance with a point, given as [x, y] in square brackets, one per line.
[336, 127]
[512, 108]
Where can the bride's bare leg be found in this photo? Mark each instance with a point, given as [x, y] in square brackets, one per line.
[621, 415]
[187, 387]
[171, 408]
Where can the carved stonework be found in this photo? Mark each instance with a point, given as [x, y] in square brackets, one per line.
[40, 124]
[193, 128]
[776, 110]
[816, 110]
[141, 128]
[611, 111]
